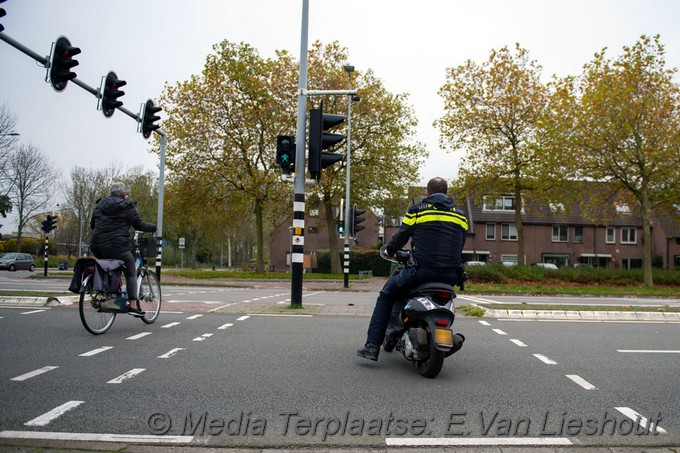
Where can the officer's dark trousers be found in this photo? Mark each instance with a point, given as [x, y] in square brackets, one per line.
[396, 289]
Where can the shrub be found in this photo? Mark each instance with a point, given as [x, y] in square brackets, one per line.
[359, 260]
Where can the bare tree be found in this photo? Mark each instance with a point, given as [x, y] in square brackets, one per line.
[87, 185]
[8, 123]
[32, 178]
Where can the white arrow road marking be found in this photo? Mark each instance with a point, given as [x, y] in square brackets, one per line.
[35, 373]
[130, 374]
[54, 413]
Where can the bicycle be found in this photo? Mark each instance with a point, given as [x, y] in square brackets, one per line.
[98, 309]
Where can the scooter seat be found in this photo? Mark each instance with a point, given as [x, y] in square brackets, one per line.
[431, 287]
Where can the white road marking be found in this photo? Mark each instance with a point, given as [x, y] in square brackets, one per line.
[649, 351]
[195, 317]
[630, 413]
[170, 353]
[54, 413]
[484, 323]
[172, 324]
[518, 342]
[95, 351]
[35, 373]
[243, 318]
[31, 312]
[544, 359]
[94, 437]
[499, 331]
[474, 441]
[225, 326]
[138, 336]
[203, 337]
[130, 374]
[281, 315]
[580, 381]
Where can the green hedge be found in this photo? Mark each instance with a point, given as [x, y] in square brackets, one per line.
[359, 260]
[496, 273]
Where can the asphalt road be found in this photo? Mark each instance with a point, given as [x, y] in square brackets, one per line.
[209, 379]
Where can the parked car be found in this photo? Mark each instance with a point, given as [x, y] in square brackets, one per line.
[586, 265]
[17, 261]
[475, 263]
[546, 265]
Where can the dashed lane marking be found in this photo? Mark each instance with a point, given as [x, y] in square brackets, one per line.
[95, 351]
[34, 373]
[53, 414]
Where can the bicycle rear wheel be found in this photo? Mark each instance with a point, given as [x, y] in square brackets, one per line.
[96, 322]
[149, 296]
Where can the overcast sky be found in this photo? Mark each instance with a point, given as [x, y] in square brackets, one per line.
[408, 44]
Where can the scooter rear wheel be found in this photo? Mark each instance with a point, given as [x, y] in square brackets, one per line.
[431, 367]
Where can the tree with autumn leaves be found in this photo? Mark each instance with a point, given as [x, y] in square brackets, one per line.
[618, 123]
[222, 127]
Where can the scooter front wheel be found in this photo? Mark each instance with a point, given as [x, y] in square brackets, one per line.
[431, 366]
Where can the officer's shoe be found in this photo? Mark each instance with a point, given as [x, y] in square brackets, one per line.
[369, 351]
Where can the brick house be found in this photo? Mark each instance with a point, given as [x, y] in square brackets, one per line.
[553, 233]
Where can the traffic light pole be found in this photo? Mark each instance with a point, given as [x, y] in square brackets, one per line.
[45, 62]
[298, 236]
[47, 247]
[347, 179]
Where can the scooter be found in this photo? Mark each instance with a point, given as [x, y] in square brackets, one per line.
[420, 327]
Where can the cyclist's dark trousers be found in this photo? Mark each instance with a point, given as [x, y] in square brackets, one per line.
[397, 287]
[129, 270]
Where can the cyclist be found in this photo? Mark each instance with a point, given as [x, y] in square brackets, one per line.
[111, 223]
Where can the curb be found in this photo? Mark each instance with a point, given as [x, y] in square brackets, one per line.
[566, 315]
[17, 301]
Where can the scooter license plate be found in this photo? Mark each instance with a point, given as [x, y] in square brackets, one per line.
[443, 337]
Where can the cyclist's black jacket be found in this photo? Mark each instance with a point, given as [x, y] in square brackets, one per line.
[437, 230]
[111, 223]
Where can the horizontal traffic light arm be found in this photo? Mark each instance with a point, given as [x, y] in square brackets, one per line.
[45, 63]
[323, 92]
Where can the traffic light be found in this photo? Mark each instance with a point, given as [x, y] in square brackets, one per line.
[320, 140]
[62, 62]
[341, 226]
[149, 117]
[49, 224]
[2, 14]
[110, 94]
[285, 153]
[354, 226]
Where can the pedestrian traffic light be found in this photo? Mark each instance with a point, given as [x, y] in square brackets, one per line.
[149, 117]
[110, 94]
[49, 224]
[355, 220]
[285, 153]
[320, 140]
[62, 62]
[2, 14]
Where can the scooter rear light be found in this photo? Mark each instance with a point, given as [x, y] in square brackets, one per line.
[442, 322]
[443, 294]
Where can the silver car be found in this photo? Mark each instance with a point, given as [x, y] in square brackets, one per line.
[16, 261]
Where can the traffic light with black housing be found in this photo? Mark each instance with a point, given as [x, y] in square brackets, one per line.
[2, 14]
[149, 117]
[285, 153]
[355, 220]
[110, 94]
[49, 224]
[62, 63]
[341, 227]
[319, 140]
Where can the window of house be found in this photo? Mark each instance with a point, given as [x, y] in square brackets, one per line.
[611, 235]
[578, 234]
[509, 259]
[508, 232]
[631, 263]
[491, 231]
[628, 236]
[504, 203]
[560, 233]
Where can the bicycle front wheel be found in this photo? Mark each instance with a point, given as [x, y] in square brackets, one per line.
[149, 296]
[95, 321]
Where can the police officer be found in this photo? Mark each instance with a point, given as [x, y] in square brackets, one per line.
[437, 230]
